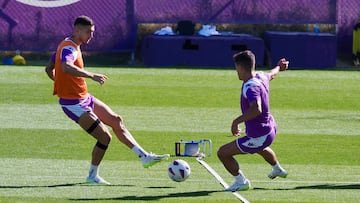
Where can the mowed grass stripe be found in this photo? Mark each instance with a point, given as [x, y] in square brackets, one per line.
[185, 119]
[175, 119]
[63, 179]
[317, 141]
[310, 90]
[77, 144]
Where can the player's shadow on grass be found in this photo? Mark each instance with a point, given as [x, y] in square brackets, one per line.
[155, 197]
[318, 187]
[58, 185]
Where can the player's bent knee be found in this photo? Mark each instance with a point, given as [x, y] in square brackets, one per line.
[223, 153]
[100, 132]
[220, 153]
[116, 120]
[119, 119]
[104, 137]
[102, 146]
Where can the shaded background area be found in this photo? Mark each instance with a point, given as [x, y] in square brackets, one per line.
[38, 26]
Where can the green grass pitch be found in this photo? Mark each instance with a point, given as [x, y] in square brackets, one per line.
[44, 157]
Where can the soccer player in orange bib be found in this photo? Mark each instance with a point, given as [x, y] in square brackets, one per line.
[66, 69]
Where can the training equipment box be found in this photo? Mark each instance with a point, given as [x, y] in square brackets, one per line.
[302, 49]
[196, 50]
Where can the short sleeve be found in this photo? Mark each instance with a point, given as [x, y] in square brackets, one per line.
[253, 93]
[251, 89]
[68, 54]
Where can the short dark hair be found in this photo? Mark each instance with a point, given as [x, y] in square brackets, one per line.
[246, 59]
[84, 20]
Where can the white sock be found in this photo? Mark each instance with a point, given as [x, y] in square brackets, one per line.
[139, 151]
[240, 177]
[94, 171]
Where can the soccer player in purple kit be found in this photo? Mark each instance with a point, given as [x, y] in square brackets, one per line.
[259, 123]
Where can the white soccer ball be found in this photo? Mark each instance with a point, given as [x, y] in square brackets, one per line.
[179, 170]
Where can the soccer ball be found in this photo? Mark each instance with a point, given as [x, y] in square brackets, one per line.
[179, 170]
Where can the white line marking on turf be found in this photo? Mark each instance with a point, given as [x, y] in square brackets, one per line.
[253, 181]
[220, 179]
[306, 181]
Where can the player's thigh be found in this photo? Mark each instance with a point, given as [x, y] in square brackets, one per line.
[105, 113]
[90, 123]
[229, 149]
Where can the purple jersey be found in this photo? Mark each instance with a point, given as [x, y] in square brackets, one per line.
[257, 88]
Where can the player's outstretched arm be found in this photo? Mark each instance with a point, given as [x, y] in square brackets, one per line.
[71, 69]
[283, 65]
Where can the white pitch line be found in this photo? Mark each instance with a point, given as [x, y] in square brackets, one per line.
[255, 181]
[306, 181]
[220, 179]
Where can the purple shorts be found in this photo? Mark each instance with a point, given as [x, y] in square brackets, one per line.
[74, 108]
[251, 145]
